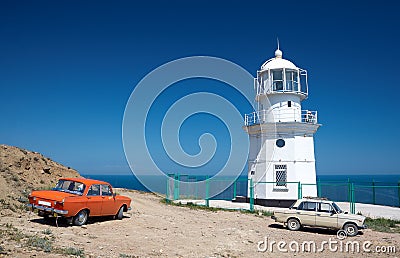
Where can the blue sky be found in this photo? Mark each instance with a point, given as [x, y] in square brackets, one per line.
[67, 69]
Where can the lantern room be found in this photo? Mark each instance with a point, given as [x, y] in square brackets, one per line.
[278, 75]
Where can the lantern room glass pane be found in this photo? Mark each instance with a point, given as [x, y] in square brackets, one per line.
[265, 82]
[292, 83]
[277, 79]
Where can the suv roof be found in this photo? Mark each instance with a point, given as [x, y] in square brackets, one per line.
[308, 198]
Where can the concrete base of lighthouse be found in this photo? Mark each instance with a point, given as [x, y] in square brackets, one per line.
[265, 202]
[294, 160]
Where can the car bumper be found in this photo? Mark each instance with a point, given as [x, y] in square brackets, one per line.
[363, 227]
[47, 209]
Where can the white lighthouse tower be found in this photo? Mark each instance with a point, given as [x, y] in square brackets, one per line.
[281, 135]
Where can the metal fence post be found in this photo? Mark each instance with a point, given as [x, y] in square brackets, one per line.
[167, 200]
[398, 189]
[234, 189]
[319, 194]
[251, 195]
[348, 190]
[176, 187]
[299, 191]
[207, 191]
[352, 197]
[196, 188]
[373, 192]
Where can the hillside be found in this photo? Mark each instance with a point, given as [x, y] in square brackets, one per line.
[21, 171]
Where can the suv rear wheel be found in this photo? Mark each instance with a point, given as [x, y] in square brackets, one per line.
[293, 224]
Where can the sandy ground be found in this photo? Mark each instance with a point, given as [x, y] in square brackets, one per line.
[153, 229]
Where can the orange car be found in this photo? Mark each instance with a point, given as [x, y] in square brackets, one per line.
[78, 198]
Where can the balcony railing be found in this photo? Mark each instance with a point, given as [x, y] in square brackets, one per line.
[264, 116]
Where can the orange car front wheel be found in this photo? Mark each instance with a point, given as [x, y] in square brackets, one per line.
[120, 213]
[81, 218]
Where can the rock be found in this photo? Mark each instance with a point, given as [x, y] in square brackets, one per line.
[24, 171]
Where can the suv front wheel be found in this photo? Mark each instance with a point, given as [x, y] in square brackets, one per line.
[293, 224]
[351, 229]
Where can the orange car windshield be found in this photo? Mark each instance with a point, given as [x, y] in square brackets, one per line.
[70, 187]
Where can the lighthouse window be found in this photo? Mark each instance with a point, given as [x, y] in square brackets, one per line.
[277, 79]
[280, 143]
[292, 82]
[265, 81]
[281, 175]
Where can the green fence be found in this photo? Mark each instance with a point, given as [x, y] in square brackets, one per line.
[188, 187]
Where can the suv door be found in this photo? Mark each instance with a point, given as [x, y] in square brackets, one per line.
[326, 216]
[306, 213]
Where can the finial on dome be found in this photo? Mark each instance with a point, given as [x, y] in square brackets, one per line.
[278, 52]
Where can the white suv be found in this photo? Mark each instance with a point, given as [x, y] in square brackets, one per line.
[319, 212]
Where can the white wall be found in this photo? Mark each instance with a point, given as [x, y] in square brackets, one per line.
[297, 155]
[278, 105]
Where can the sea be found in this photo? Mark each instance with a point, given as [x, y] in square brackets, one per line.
[372, 189]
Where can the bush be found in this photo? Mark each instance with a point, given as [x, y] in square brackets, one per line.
[127, 256]
[44, 244]
[47, 231]
[383, 225]
[72, 251]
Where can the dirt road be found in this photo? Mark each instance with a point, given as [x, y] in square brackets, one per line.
[152, 229]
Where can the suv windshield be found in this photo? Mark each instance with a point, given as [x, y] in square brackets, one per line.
[338, 210]
[70, 187]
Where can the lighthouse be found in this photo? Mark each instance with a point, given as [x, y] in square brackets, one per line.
[281, 161]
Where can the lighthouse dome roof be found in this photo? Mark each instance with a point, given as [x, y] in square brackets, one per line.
[278, 62]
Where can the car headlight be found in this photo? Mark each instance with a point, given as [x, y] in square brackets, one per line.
[34, 198]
